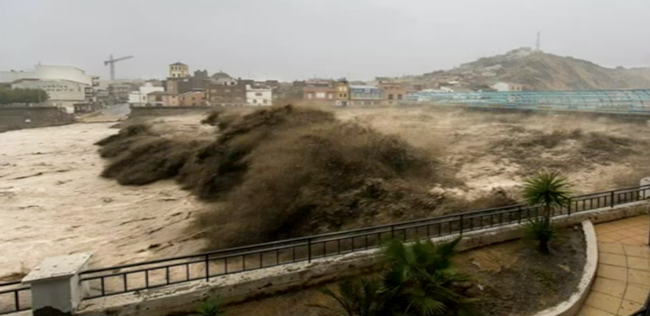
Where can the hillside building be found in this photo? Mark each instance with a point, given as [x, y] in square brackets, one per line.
[507, 86]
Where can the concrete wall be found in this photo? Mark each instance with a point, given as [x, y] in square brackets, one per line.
[27, 117]
[244, 286]
[139, 111]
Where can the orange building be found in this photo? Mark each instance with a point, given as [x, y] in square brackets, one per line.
[192, 98]
[162, 98]
[392, 93]
[342, 92]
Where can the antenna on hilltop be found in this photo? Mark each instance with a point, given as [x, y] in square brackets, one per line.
[538, 41]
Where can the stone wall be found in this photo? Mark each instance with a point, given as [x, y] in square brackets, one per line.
[140, 111]
[29, 117]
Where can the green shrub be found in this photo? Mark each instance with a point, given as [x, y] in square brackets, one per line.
[211, 308]
[418, 279]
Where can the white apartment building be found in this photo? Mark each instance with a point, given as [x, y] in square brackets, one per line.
[259, 96]
[507, 86]
[61, 93]
[139, 98]
[66, 86]
[48, 72]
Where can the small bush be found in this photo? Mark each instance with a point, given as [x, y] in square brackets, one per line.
[211, 308]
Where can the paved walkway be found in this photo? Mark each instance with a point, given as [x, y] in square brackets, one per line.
[623, 277]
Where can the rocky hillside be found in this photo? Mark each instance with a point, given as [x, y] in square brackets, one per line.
[542, 71]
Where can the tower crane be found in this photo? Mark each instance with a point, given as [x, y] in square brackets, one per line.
[111, 61]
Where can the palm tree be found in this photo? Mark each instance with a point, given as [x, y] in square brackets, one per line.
[420, 277]
[548, 189]
[418, 280]
[357, 297]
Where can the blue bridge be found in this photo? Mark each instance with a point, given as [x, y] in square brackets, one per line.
[601, 101]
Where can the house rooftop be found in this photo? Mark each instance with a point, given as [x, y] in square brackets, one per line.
[363, 87]
[220, 74]
[161, 93]
[178, 63]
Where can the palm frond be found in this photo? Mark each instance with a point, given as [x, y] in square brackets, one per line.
[549, 189]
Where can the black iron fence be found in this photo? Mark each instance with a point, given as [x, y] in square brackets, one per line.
[157, 273]
[14, 297]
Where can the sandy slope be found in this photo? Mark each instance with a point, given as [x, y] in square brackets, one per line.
[52, 202]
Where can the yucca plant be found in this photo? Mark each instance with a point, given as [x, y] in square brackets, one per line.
[212, 307]
[549, 190]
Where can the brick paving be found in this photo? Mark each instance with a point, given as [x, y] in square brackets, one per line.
[623, 276]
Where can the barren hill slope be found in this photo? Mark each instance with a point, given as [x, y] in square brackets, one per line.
[542, 71]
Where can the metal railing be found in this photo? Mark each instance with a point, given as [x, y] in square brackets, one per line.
[157, 273]
[14, 297]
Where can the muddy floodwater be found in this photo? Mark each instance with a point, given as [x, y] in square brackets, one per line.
[53, 202]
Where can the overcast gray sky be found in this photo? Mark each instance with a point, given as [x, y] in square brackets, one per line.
[297, 39]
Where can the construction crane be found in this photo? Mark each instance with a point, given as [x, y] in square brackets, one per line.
[111, 61]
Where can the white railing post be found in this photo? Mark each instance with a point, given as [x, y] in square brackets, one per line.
[55, 285]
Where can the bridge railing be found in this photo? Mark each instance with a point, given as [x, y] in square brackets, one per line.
[156, 273]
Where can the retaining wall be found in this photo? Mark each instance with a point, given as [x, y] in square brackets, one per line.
[29, 117]
[139, 111]
[244, 286]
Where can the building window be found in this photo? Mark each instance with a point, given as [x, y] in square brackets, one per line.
[258, 94]
[399, 97]
[390, 97]
[254, 101]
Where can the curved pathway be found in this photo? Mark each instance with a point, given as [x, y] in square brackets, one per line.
[623, 277]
